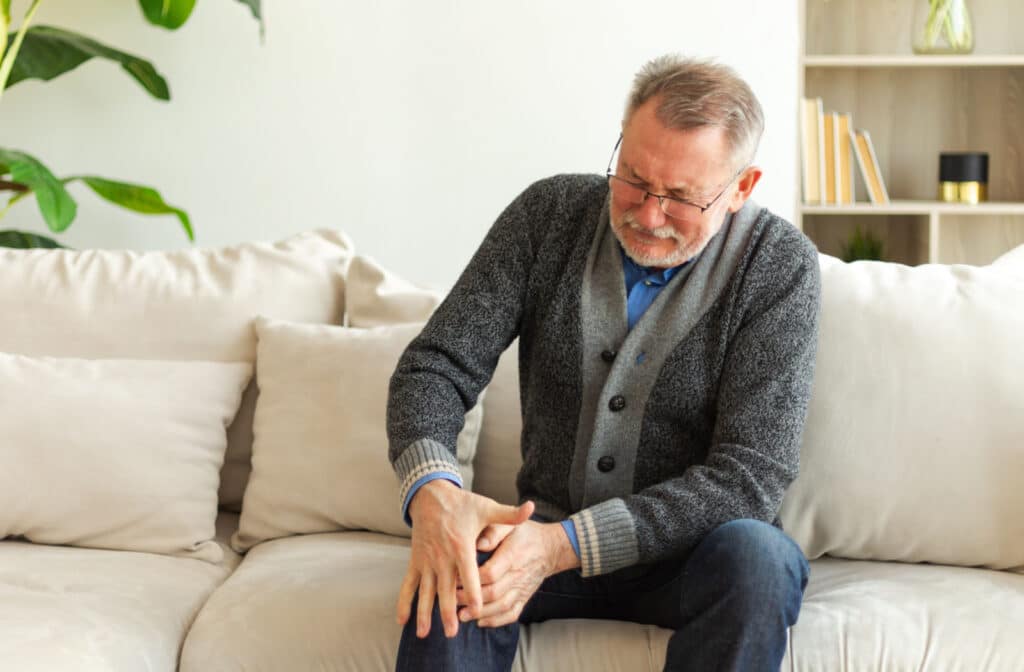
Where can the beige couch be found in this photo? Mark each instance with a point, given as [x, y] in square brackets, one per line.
[912, 467]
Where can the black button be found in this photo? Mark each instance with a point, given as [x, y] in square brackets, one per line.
[617, 403]
[606, 463]
[608, 356]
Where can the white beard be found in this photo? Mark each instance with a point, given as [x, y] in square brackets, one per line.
[685, 250]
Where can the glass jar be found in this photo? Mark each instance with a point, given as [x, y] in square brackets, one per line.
[942, 27]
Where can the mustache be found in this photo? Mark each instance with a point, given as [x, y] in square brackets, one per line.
[628, 219]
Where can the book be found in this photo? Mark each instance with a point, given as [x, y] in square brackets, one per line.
[812, 145]
[844, 160]
[864, 150]
[831, 137]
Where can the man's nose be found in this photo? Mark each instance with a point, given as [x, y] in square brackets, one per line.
[649, 213]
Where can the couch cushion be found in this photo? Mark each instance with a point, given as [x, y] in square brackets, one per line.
[914, 443]
[92, 610]
[320, 459]
[194, 304]
[1012, 261]
[315, 602]
[327, 602]
[115, 453]
[861, 615]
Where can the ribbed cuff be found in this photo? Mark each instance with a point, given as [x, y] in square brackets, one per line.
[607, 537]
[422, 457]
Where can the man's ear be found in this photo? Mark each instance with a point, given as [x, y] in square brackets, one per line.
[744, 185]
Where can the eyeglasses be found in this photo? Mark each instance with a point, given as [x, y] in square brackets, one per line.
[631, 193]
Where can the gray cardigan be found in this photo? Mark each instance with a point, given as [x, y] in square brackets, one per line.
[648, 454]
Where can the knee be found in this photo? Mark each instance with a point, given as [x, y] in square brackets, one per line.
[752, 558]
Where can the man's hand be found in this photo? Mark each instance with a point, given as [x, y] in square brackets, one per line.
[525, 556]
[446, 522]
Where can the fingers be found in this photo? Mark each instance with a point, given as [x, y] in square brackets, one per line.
[446, 601]
[500, 613]
[425, 605]
[470, 575]
[488, 593]
[487, 540]
[405, 595]
[492, 536]
[495, 567]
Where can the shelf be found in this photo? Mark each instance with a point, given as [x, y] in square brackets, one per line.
[914, 61]
[916, 208]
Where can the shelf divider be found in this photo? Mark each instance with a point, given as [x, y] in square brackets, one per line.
[923, 208]
[912, 61]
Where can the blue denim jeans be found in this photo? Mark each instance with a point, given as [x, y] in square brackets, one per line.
[730, 603]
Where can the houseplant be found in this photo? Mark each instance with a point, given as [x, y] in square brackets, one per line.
[862, 246]
[46, 52]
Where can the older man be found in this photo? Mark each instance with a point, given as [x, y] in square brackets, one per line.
[667, 332]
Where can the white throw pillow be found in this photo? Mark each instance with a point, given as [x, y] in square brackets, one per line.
[320, 458]
[375, 296]
[1012, 261]
[115, 454]
[192, 304]
[914, 444]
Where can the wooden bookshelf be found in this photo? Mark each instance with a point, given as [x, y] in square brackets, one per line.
[856, 56]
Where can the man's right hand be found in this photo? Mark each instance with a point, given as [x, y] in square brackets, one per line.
[446, 523]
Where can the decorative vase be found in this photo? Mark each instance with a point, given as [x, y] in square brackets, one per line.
[942, 27]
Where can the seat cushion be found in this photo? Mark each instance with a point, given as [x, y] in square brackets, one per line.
[326, 602]
[64, 608]
[315, 602]
[861, 615]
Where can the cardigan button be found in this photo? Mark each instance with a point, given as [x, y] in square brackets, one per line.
[606, 464]
[608, 356]
[617, 403]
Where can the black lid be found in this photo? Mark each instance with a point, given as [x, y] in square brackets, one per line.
[963, 167]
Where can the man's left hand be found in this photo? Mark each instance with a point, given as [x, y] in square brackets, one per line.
[528, 555]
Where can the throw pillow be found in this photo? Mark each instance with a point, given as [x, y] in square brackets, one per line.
[320, 459]
[375, 296]
[115, 454]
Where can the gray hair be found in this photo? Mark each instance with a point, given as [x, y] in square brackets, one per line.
[695, 94]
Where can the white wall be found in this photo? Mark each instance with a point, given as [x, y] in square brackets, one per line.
[408, 124]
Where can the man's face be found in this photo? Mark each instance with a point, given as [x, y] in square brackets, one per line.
[691, 165]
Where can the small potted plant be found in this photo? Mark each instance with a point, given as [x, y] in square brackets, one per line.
[862, 246]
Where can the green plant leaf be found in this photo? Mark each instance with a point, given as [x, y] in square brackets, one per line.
[23, 240]
[145, 200]
[5, 22]
[254, 6]
[171, 14]
[49, 52]
[55, 203]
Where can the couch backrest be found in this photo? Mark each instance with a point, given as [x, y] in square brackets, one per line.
[195, 304]
[914, 443]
